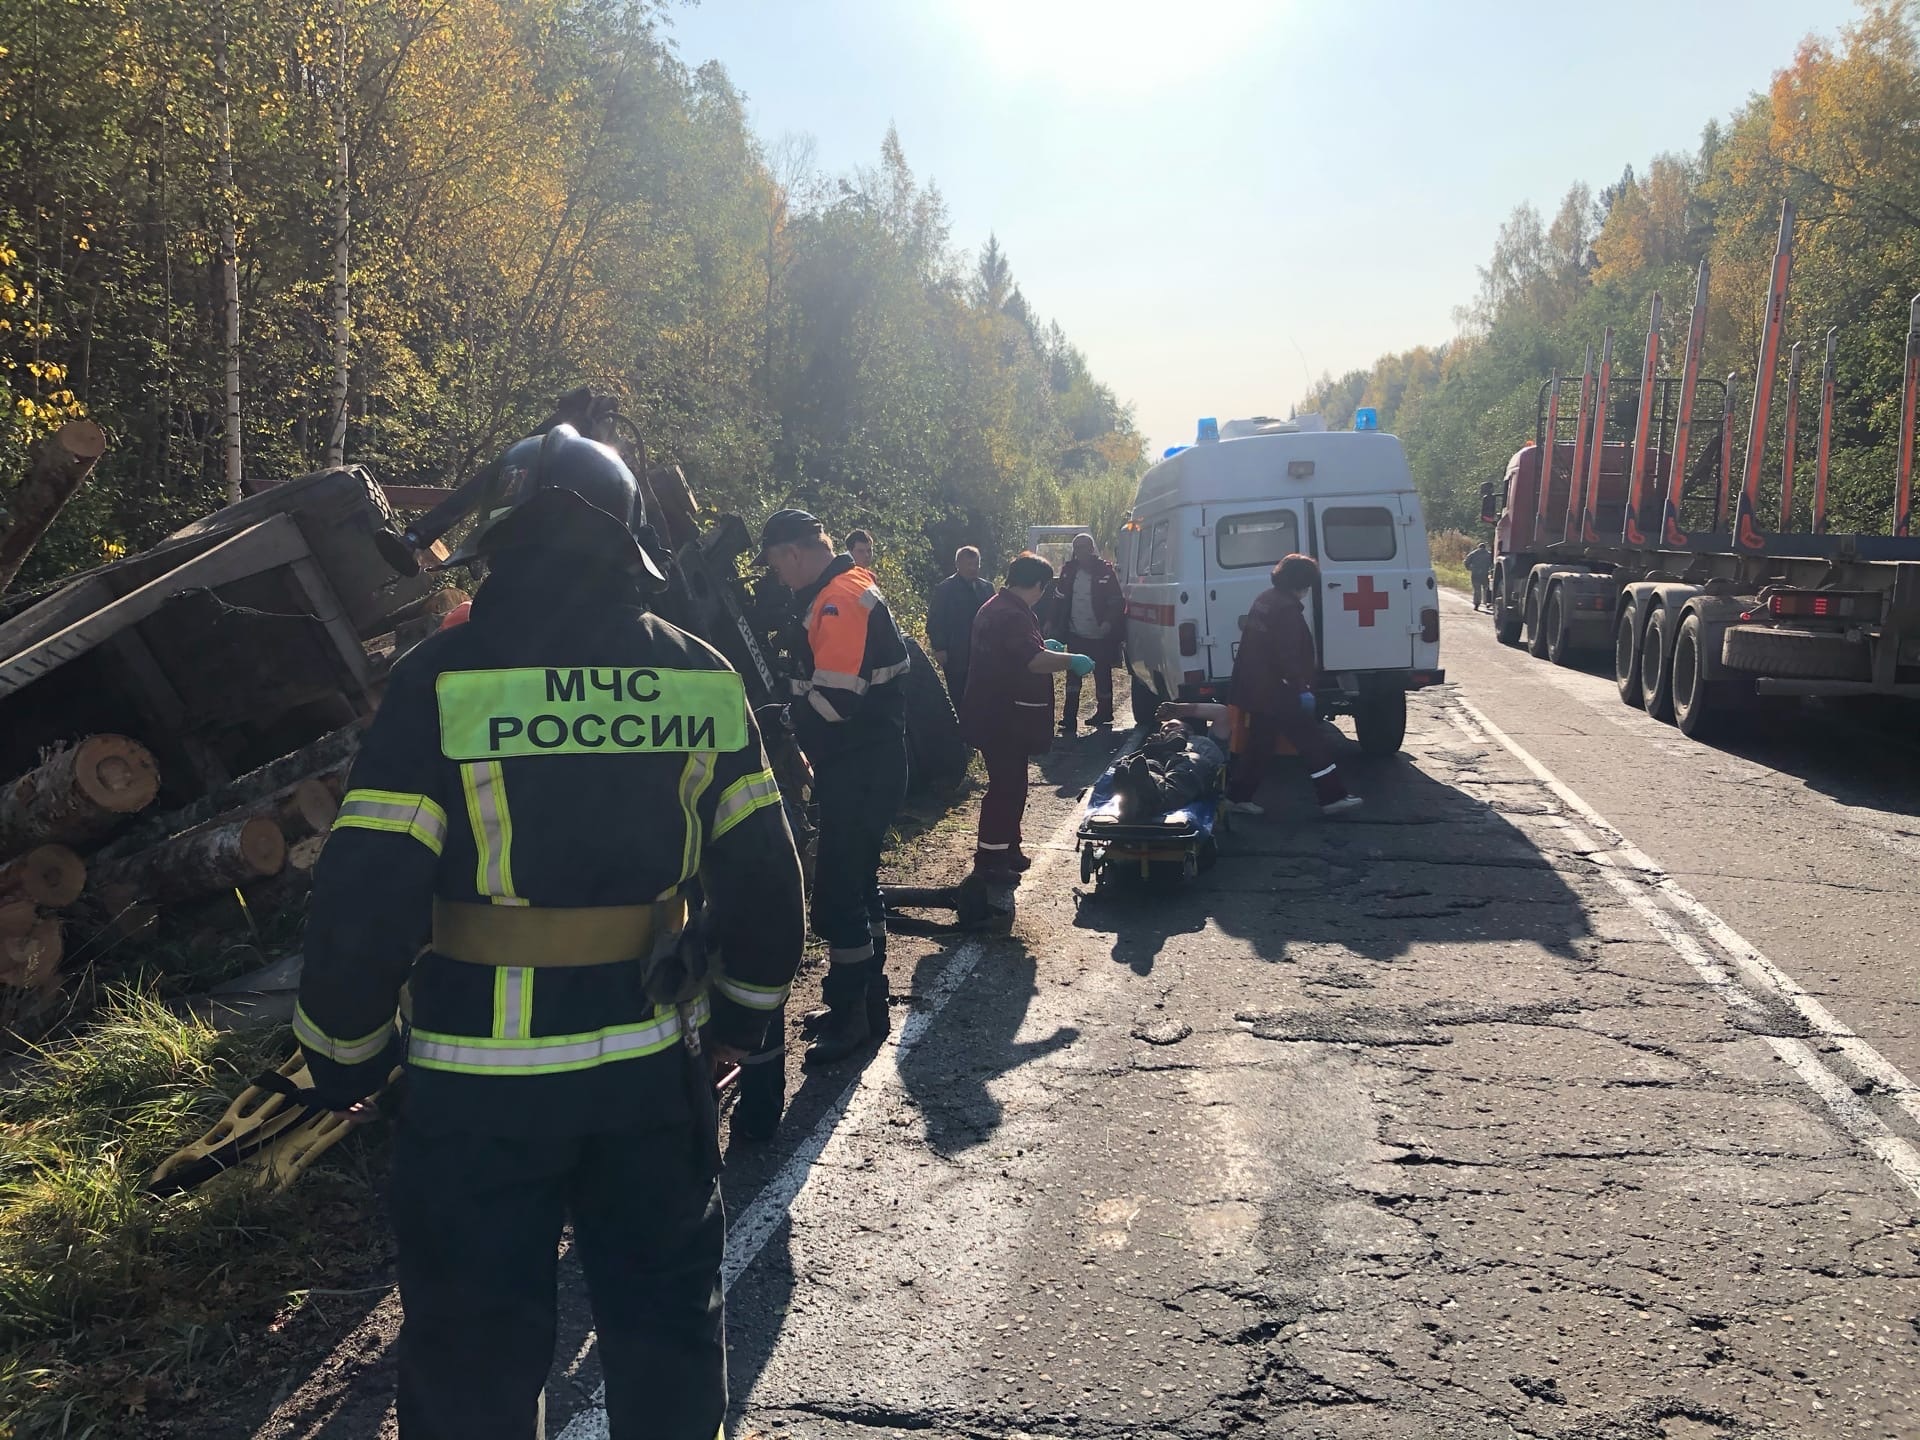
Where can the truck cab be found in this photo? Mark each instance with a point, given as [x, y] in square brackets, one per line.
[1211, 520]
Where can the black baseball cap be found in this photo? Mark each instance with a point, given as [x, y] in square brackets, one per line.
[784, 527]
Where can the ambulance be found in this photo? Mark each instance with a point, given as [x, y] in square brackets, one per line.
[1212, 519]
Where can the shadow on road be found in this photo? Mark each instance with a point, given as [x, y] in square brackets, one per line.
[1422, 863]
[948, 1073]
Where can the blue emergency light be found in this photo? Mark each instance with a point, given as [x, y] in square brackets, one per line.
[1173, 450]
[1365, 419]
[1209, 429]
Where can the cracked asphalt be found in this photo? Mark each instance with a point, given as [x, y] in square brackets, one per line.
[1405, 1127]
[1446, 1122]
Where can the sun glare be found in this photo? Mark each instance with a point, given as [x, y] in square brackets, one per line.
[1107, 44]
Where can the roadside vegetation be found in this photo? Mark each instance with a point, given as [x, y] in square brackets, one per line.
[115, 1305]
[1449, 549]
[1838, 132]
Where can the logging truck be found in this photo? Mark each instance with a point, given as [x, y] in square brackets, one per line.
[1629, 521]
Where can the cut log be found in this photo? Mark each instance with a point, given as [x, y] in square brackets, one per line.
[329, 754]
[60, 466]
[303, 855]
[32, 961]
[307, 809]
[199, 863]
[78, 794]
[49, 875]
[17, 918]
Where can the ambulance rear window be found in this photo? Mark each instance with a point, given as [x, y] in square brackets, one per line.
[1265, 538]
[1357, 532]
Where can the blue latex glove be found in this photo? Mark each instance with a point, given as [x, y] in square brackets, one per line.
[1308, 703]
[1059, 647]
[1080, 664]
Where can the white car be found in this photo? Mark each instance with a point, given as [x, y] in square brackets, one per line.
[1211, 520]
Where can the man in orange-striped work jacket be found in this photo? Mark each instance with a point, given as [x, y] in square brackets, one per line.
[562, 837]
[849, 716]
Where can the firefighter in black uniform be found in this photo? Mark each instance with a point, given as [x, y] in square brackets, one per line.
[849, 716]
[564, 811]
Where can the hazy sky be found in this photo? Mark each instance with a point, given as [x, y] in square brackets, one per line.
[1220, 199]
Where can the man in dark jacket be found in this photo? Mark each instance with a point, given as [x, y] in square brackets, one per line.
[1273, 675]
[1008, 716]
[1089, 616]
[956, 600]
[850, 718]
[547, 797]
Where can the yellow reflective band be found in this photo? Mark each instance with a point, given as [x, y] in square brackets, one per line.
[396, 812]
[512, 1002]
[486, 791]
[754, 997]
[551, 1054]
[341, 1052]
[504, 714]
[742, 798]
[695, 776]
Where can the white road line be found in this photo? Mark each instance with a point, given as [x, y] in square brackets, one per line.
[1856, 1118]
[865, 1094]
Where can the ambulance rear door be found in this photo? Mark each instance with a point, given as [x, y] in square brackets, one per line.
[1369, 610]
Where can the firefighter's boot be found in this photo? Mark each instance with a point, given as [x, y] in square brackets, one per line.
[844, 1029]
[763, 1094]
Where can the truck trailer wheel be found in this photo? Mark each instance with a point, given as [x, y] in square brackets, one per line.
[1380, 721]
[1559, 647]
[1795, 654]
[1506, 625]
[1656, 664]
[936, 754]
[1698, 707]
[1626, 657]
[1536, 632]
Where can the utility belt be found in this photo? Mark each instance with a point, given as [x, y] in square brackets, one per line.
[670, 951]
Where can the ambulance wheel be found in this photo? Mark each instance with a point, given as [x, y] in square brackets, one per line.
[1146, 699]
[1380, 721]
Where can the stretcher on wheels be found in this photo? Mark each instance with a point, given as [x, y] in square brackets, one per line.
[1174, 843]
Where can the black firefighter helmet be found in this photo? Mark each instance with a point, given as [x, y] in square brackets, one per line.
[547, 486]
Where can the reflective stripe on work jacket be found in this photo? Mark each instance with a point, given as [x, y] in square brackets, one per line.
[396, 812]
[742, 798]
[343, 1052]
[554, 1054]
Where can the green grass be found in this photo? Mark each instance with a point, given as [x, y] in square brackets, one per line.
[110, 1300]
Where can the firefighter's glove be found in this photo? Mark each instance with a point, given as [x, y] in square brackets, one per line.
[1057, 646]
[1080, 664]
[1309, 702]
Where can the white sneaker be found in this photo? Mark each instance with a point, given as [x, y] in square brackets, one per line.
[1244, 807]
[1342, 805]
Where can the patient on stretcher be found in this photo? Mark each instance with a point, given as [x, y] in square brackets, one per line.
[1174, 766]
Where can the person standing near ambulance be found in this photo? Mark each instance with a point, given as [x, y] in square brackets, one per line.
[1088, 617]
[849, 717]
[560, 804]
[1273, 674]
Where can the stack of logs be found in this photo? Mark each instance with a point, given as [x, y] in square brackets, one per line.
[86, 800]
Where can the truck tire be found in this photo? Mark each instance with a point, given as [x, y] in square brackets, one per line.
[1559, 651]
[1380, 721]
[1506, 626]
[1145, 699]
[1656, 664]
[1795, 654]
[1698, 707]
[936, 755]
[1536, 634]
[1626, 657]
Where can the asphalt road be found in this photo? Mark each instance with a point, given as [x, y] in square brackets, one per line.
[1562, 1092]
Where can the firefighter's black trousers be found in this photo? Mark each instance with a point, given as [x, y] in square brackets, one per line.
[859, 793]
[479, 1221]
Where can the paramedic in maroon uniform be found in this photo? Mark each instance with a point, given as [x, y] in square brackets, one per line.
[1007, 714]
[1273, 673]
